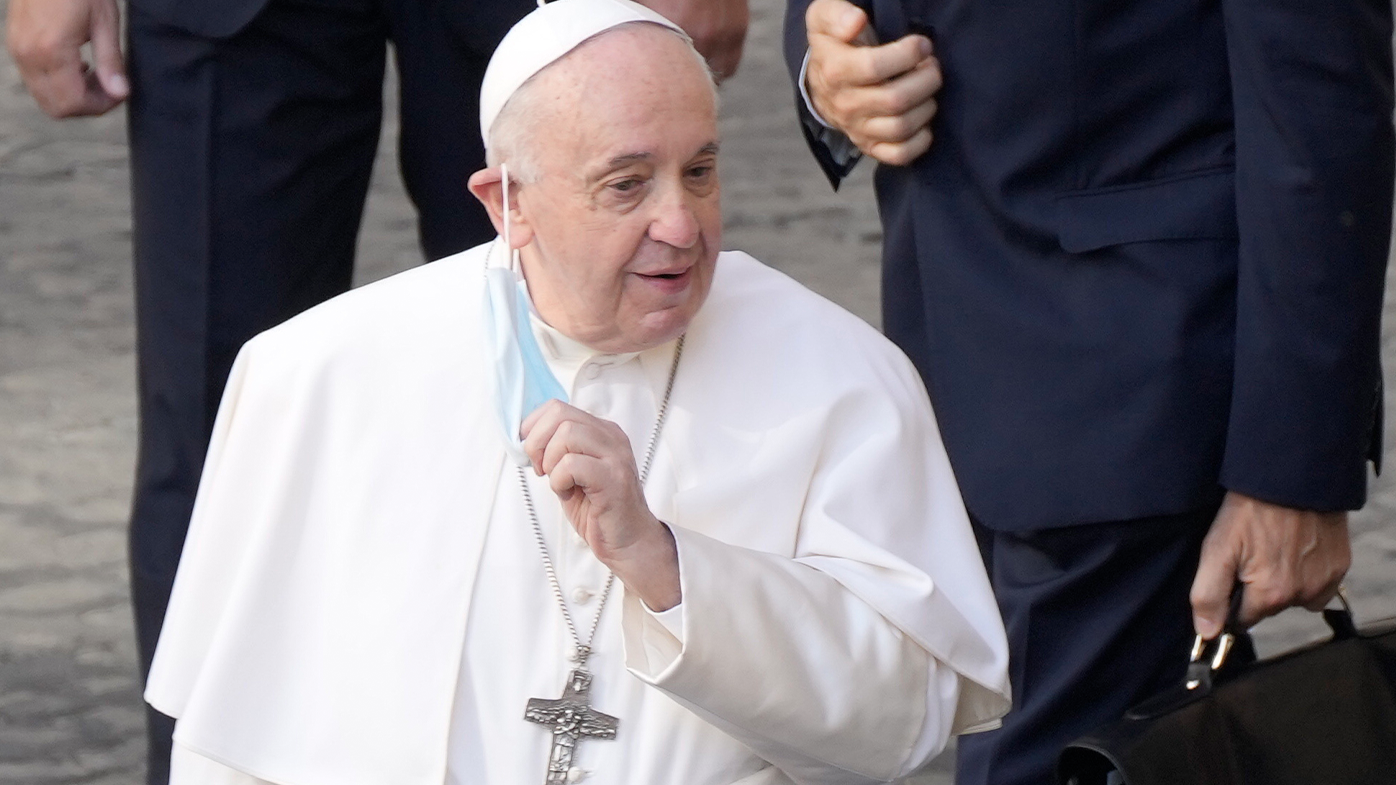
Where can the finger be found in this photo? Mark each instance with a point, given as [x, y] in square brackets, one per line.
[895, 97]
[538, 428]
[106, 51]
[575, 472]
[70, 91]
[898, 128]
[557, 447]
[551, 411]
[901, 153]
[837, 19]
[913, 88]
[1262, 600]
[573, 436]
[843, 65]
[1211, 588]
[531, 420]
[96, 99]
[1326, 586]
[1320, 599]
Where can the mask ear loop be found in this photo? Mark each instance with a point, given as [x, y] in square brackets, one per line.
[509, 249]
[504, 181]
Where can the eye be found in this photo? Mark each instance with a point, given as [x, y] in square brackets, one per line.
[627, 186]
[700, 172]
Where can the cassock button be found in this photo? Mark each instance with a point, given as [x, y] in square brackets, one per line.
[576, 774]
[581, 596]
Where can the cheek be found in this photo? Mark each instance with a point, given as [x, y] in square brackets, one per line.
[708, 214]
[601, 267]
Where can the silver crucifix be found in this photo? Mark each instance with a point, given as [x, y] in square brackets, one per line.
[572, 720]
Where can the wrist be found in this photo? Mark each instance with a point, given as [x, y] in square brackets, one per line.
[649, 568]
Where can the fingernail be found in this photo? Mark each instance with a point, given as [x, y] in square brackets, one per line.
[850, 17]
[117, 85]
[925, 47]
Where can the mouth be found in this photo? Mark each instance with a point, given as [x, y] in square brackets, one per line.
[668, 278]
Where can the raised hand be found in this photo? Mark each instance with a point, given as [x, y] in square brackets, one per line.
[882, 97]
[591, 468]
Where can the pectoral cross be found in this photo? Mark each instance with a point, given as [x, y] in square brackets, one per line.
[572, 720]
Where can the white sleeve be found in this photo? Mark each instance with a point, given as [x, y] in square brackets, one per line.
[836, 707]
[190, 768]
[837, 618]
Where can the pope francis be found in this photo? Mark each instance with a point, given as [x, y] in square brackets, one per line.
[591, 502]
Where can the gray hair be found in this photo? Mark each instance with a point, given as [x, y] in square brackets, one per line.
[510, 140]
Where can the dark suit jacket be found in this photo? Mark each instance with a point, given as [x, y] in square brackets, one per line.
[1145, 253]
[477, 24]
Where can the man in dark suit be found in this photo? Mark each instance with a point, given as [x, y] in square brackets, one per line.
[253, 128]
[1137, 252]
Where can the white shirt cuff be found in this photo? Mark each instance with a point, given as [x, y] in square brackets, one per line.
[671, 620]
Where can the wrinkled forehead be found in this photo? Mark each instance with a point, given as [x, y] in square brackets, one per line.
[583, 115]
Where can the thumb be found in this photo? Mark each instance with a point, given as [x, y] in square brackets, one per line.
[106, 50]
[837, 19]
[1211, 589]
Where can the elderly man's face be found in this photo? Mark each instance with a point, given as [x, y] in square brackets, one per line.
[625, 219]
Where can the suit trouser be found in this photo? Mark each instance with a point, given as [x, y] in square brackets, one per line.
[1098, 619]
[251, 157]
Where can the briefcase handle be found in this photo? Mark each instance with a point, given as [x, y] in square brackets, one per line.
[1200, 671]
[1212, 661]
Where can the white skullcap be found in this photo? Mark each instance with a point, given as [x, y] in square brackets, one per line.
[544, 36]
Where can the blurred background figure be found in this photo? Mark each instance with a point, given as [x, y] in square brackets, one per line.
[1137, 252]
[253, 126]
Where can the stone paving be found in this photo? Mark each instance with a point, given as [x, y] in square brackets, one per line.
[69, 701]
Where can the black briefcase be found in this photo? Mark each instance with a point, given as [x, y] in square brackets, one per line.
[1324, 714]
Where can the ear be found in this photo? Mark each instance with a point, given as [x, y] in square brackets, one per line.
[488, 186]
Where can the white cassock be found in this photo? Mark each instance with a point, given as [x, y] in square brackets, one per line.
[361, 599]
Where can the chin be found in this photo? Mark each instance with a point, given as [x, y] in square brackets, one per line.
[659, 328]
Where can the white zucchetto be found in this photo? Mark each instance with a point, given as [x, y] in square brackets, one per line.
[546, 35]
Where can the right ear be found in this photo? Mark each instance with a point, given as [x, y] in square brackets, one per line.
[488, 186]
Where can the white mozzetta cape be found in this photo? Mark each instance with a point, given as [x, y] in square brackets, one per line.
[315, 635]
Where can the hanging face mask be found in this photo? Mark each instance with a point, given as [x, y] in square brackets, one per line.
[522, 379]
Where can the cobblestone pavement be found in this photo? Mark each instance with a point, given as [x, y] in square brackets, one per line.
[69, 702]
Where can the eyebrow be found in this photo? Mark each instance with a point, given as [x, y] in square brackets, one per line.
[622, 160]
[711, 148]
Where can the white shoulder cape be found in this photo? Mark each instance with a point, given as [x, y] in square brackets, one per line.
[315, 632]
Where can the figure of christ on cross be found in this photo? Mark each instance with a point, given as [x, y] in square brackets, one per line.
[572, 719]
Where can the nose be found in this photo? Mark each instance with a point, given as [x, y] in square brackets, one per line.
[673, 222]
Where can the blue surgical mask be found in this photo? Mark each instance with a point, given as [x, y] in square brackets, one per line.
[522, 379]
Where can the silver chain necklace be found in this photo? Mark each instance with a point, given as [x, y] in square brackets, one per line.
[571, 716]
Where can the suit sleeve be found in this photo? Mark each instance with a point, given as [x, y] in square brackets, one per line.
[1312, 88]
